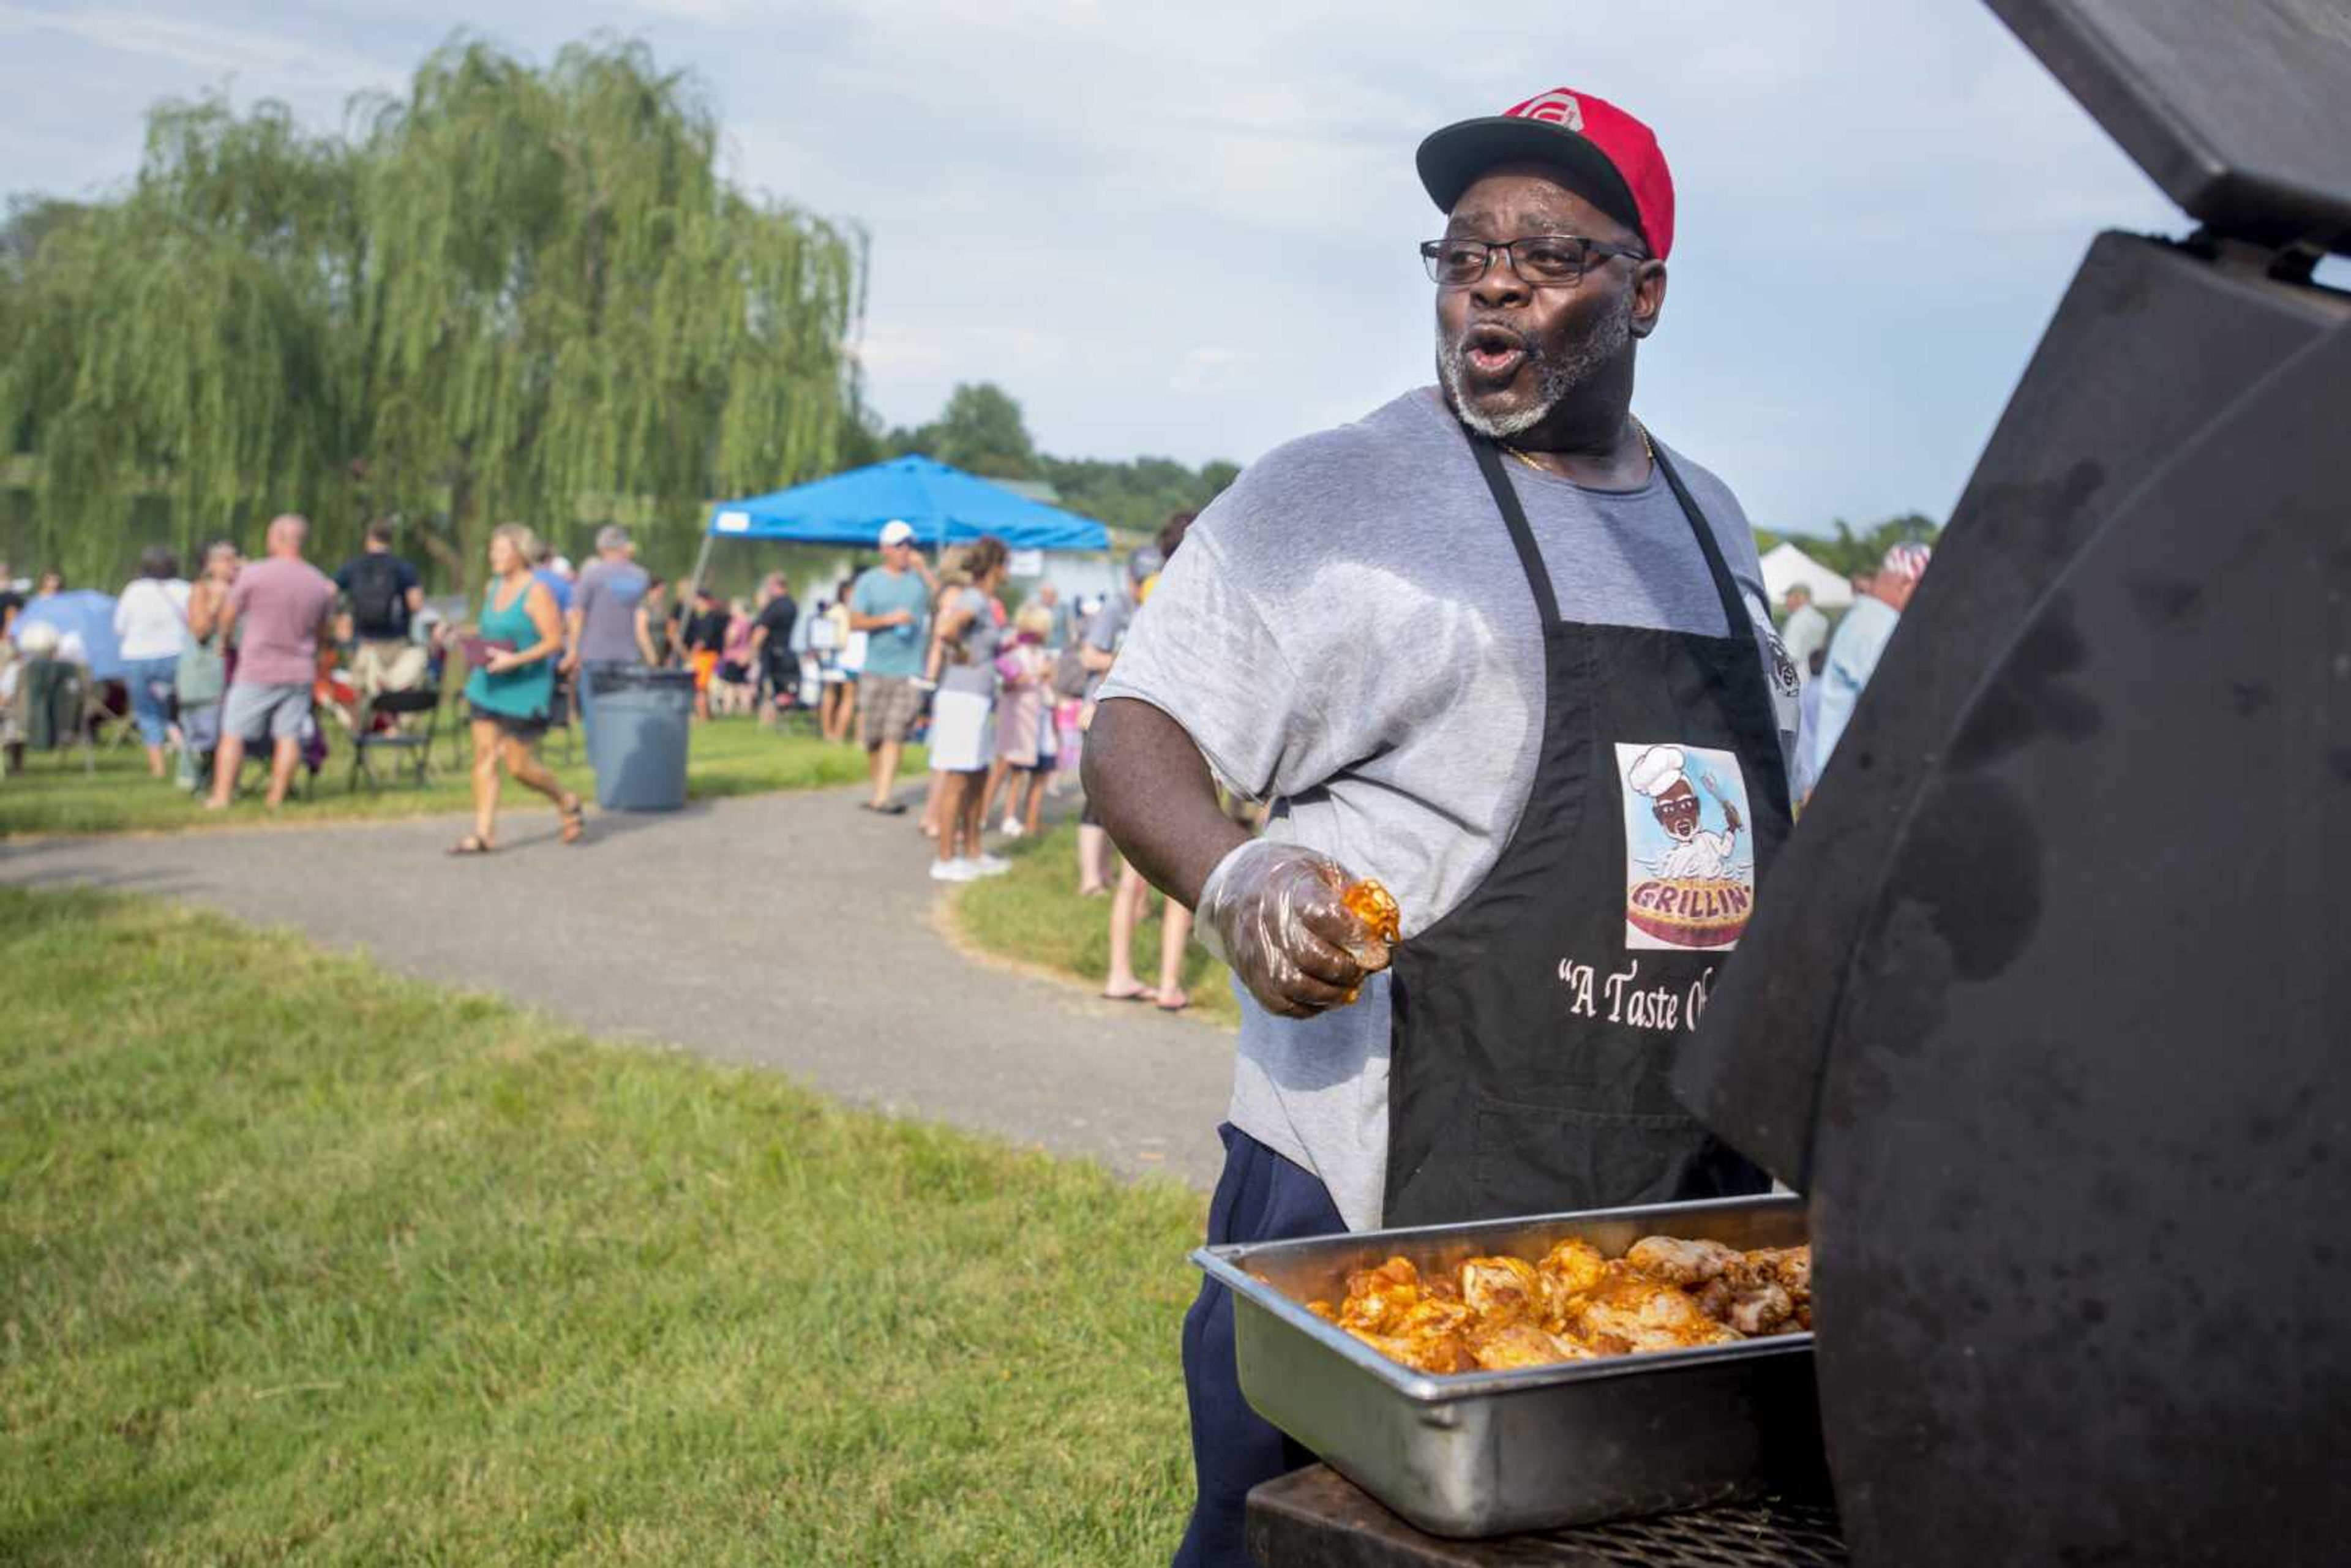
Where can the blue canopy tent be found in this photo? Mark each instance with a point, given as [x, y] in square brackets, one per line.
[84, 612]
[944, 506]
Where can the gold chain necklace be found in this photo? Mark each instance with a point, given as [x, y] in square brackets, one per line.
[1648, 450]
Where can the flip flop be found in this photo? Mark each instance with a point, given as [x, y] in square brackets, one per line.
[1177, 1008]
[472, 844]
[888, 809]
[1140, 994]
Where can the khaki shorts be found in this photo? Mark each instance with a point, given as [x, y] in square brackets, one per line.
[887, 707]
[387, 666]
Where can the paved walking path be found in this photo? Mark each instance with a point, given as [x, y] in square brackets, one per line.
[711, 929]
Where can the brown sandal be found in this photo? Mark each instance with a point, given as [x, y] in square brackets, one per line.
[472, 844]
[572, 812]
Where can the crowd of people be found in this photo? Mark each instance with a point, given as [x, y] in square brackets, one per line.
[247, 656]
[906, 645]
[900, 646]
[1001, 699]
[255, 656]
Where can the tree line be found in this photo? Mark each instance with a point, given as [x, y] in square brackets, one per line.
[1847, 551]
[981, 430]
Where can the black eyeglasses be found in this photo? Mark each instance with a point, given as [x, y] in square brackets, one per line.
[1546, 261]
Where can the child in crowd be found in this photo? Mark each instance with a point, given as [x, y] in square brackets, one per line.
[736, 684]
[1024, 723]
[1067, 739]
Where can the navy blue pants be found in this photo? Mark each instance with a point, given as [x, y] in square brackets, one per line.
[1260, 1197]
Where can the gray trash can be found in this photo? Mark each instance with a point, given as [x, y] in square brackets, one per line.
[637, 727]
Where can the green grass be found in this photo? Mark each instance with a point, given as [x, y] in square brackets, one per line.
[729, 757]
[302, 1262]
[1033, 913]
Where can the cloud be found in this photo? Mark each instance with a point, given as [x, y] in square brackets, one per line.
[204, 47]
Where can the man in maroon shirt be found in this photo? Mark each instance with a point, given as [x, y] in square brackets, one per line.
[282, 605]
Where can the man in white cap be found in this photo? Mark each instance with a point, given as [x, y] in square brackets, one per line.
[892, 605]
[1861, 637]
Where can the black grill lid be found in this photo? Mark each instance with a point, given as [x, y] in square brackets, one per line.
[2150, 341]
[2085, 1145]
[2046, 1001]
[2240, 109]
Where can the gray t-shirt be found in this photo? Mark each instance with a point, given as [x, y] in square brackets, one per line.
[1105, 631]
[970, 665]
[1347, 632]
[606, 600]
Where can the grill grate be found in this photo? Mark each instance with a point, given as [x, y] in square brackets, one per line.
[1773, 1533]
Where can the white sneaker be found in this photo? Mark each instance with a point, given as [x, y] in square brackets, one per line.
[1011, 828]
[989, 866]
[954, 871]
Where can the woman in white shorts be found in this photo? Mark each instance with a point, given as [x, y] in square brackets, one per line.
[962, 737]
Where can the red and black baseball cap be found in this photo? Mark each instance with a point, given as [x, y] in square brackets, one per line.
[1607, 157]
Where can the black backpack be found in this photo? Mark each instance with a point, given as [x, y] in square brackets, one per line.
[377, 610]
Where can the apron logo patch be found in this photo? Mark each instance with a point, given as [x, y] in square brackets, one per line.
[1783, 669]
[1689, 859]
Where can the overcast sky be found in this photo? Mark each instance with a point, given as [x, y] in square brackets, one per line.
[1189, 229]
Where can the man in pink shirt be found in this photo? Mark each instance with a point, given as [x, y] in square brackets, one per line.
[282, 605]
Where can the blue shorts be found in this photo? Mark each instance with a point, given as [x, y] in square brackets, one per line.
[152, 684]
[1260, 1197]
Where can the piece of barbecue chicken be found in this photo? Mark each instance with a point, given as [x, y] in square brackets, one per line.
[1501, 1347]
[1683, 1262]
[1566, 1271]
[1370, 902]
[1644, 1312]
[1501, 1290]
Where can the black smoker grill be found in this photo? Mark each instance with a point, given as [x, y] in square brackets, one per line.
[2047, 1006]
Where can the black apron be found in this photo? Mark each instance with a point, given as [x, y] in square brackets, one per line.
[1537, 1024]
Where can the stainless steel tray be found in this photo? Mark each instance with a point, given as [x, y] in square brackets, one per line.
[1485, 1453]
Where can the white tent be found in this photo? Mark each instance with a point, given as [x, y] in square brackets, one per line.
[1786, 566]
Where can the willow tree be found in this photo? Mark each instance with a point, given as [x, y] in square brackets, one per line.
[570, 315]
[176, 344]
[508, 293]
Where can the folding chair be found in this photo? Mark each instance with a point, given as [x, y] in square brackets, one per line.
[416, 743]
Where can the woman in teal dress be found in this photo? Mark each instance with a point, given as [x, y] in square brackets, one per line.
[511, 691]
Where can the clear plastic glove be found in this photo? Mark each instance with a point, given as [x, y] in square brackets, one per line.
[1276, 914]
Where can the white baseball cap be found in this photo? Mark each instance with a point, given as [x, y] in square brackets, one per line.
[897, 532]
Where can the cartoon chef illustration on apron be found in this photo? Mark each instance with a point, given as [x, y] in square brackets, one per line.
[1686, 885]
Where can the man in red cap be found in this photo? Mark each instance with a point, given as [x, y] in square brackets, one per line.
[1439, 642]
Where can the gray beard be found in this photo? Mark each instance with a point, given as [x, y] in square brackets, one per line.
[1555, 376]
